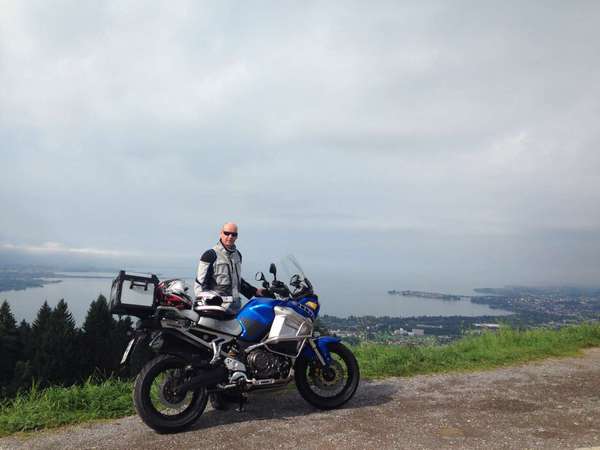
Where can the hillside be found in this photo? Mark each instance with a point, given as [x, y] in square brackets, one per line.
[550, 404]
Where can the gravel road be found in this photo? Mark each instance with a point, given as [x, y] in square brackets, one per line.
[552, 404]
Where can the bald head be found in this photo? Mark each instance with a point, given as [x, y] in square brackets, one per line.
[230, 226]
[229, 233]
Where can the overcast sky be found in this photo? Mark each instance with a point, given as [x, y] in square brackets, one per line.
[439, 140]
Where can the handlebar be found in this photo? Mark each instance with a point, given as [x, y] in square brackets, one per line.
[279, 288]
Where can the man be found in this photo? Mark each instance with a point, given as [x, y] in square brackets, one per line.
[219, 273]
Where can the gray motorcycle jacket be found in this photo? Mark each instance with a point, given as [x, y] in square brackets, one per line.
[219, 273]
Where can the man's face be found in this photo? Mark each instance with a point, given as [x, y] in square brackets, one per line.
[229, 235]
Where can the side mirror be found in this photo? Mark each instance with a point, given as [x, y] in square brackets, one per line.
[295, 280]
[273, 270]
[261, 277]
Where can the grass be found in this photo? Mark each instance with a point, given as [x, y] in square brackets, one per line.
[56, 406]
[476, 352]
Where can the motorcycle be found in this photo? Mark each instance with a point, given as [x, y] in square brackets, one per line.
[202, 351]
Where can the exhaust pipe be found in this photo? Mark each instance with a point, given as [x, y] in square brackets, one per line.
[204, 379]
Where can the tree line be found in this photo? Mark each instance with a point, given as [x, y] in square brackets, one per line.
[53, 351]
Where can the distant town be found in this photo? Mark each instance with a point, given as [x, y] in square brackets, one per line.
[531, 307]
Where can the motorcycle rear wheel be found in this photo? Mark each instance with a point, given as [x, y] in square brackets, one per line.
[331, 386]
[156, 400]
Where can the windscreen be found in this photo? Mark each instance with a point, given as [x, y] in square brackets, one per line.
[291, 266]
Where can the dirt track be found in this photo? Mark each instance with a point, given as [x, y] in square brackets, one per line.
[551, 404]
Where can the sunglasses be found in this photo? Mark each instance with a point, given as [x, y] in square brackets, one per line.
[230, 233]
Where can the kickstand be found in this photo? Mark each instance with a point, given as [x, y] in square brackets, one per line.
[242, 404]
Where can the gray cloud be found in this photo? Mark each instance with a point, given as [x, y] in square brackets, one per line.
[427, 130]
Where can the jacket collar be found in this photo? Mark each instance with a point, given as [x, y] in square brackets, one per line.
[221, 245]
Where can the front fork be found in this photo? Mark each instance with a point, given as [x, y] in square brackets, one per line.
[317, 349]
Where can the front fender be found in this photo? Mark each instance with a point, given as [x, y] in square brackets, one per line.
[321, 344]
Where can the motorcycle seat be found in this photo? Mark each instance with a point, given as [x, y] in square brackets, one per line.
[230, 326]
[216, 312]
[178, 313]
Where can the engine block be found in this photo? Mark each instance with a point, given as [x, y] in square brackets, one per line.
[264, 364]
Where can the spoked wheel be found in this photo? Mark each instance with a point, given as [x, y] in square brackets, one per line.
[156, 398]
[328, 387]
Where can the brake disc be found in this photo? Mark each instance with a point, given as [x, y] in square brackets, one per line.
[328, 378]
[167, 394]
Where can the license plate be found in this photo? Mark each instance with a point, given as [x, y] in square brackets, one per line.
[127, 350]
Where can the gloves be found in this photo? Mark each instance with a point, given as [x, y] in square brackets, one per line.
[214, 301]
[278, 287]
[267, 293]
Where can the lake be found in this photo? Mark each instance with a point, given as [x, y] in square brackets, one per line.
[339, 297]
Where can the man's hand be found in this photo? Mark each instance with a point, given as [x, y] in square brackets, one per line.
[263, 292]
[213, 301]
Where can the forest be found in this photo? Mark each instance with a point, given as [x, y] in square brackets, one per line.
[54, 351]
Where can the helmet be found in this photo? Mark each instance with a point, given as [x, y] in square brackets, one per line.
[175, 286]
[173, 293]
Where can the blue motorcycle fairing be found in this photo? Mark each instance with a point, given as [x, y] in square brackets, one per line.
[256, 318]
[301, 308]
[258, 314]
[313, 301]
[322, 343]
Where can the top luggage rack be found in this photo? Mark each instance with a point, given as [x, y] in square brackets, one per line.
[133, 294]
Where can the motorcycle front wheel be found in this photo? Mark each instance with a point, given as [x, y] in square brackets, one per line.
[156, 399]
[328, 387]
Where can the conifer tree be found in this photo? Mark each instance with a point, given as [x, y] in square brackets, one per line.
[9, 345]
[39, 335]
[25, 343]
[7, 320]
[55, 344]
[42, 321]
[96, 338]
[23, 375]
[104, 338]
[65, 363]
